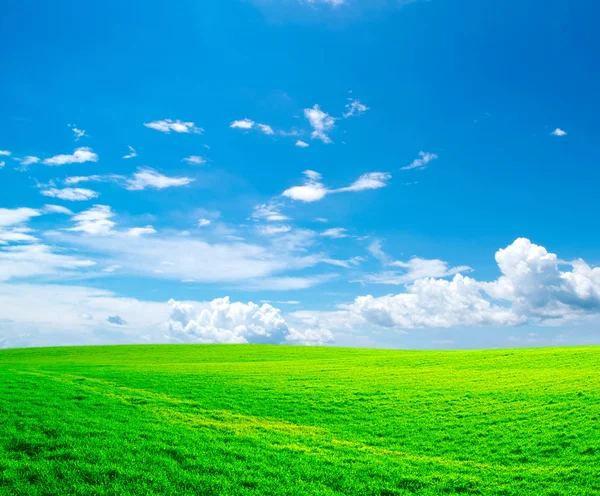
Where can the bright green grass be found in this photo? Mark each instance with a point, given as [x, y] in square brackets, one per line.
[204, 420]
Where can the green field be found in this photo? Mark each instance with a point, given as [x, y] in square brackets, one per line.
[290, 420]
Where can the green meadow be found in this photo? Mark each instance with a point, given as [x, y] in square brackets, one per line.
[268, 420]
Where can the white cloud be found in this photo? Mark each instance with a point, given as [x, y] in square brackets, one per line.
[94, 221]
[132, 153]
[353, 262]
[313, 189]
[421, 162]
[269, 212]
[335, 232]
[23, 261]
[195, 160]
[558, 132]
[71, 194]
[321, 219]
[354, 107]
[302, 144]
[266, 129]
[272, 230]
[80, 155]
[177, 126]
[79, 133]
[415, 268]
[149, 178]
[16, 235]
[5, 153]
[28, 160]
[333, 3]
[16, 216]
[112, 268]
[81, 179]
[321, 122]
[242, 124]
[2, 163]
[371, 180]
[136, 232]
[203, 222]
[57, 209]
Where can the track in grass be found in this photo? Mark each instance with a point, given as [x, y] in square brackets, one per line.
[284, 420]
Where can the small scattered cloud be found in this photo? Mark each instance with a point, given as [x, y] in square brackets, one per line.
[145, 178]
[2, 164]
[321, 219]
[132, 153]
[56, 209]
[266, 129]
[94, 221]
[79, 156]
[177, 126]
[421, 162]
[558, 132]
[136, 232]
[27, 161]
[321, 123]
[71, 194]
[335, 232]
[5, 153]
[112, 268]
[269, 212]
[354, 107]
[116, 320]
[271, 230]
[203, 222]
[195, 160]
[79, 133]
[302, 144]
[314, 190]
[242, 124]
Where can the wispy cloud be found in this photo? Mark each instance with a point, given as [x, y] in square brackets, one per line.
[146, 177]
[266, 129]
[354, 107]
[195, 160]
[136, 232]
[203, 222]
[79, 133]
[71, 194]
[269, 212]
[5, 153]
[313, 189]
[335, 232]
[132, 153]
[421, 162]
[321, 123]
[177, 126]
[79, 156]
[95, 221]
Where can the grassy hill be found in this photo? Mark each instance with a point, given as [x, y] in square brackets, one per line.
[203, 420]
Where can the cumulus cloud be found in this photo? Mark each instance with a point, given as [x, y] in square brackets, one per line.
[5, 153]
[229, 322]
[132, 153]
[558, 132]
[242, 124]
[421, 162]
[313, 189]
[354, 107]
[302, 144]
[321, 123]
[177, 126]
[79, 156]
[71, 194]
[94, 221]
[195, 160]
[146, 177]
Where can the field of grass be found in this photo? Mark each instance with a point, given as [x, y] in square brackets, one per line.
[267, 420]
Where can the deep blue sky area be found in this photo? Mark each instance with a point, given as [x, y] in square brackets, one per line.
[500, 97]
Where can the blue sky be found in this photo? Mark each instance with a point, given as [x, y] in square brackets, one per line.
[351, 168]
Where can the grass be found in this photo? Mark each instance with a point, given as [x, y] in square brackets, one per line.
[267, 420]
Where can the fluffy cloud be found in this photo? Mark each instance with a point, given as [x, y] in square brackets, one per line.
[314, 190]
[195, 160]
[57, 209]
[354, 107]
[72, 194]
[5, 153]
[242, 124]
[321, 123]
[558, 132]
[132, 153]
[533, 289]
[168, 125]
[79, 156]
[149, 178]
[224, 321]
[266, 129]
[421, 162]
[15, 216]
[302, 144]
